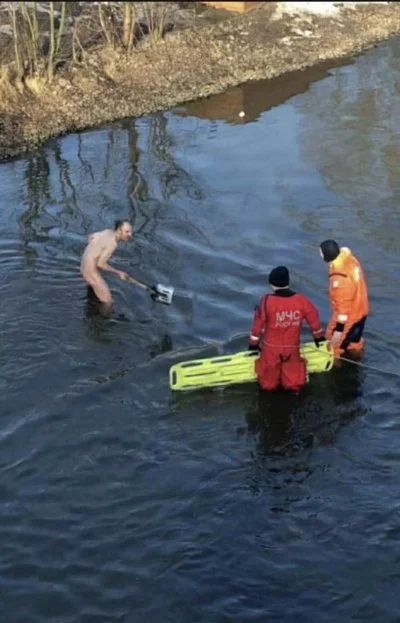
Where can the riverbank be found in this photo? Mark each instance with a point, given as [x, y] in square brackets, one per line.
[188, 64]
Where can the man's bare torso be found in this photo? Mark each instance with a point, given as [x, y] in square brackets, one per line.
[101, 245]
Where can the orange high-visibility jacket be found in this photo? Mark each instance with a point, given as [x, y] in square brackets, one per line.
[347, 291]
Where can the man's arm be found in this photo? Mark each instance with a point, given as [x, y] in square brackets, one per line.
[342, 297]
[259, 320]
[106, 266]
[103, 264]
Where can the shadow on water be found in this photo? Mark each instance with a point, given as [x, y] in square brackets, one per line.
[287, 430]
[285, 424]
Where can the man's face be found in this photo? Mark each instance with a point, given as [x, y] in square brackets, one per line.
[126, 232]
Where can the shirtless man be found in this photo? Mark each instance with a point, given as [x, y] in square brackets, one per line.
[101, 246]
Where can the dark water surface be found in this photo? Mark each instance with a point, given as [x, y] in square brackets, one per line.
[120, 502]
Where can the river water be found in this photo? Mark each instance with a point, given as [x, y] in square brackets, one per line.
[121, 502]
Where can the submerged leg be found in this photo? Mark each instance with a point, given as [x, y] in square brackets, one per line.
[354, 342]
[268, 370]
[100, 288]
[99, 296]
[294, 373]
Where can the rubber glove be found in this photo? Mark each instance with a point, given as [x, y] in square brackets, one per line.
[319, 340]
[252, 347]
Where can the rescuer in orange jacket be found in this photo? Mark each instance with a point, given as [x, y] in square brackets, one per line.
[348, 296]
[276, 331]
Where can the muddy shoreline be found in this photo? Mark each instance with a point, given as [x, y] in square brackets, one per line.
[187, 65]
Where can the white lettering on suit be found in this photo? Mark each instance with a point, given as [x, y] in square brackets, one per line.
[285, 319]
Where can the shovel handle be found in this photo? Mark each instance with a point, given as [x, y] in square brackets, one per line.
[140, 284]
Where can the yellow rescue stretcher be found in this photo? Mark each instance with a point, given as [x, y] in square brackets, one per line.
[238, 368]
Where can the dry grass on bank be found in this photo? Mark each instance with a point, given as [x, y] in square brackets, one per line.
[39, 40]
[107, 72]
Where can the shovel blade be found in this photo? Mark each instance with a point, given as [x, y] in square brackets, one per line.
[164, 294]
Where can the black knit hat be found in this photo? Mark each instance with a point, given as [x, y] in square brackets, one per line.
[279, 277]
[330, 250]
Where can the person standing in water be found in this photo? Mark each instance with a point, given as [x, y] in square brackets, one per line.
[101, 245]
[348, 295]
[276, 331]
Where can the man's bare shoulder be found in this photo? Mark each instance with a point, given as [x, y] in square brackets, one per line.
[100, 236]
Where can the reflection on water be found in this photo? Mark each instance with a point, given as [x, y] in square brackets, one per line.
[122, 502]
[286, 424]
[357, 152]
[254, 98]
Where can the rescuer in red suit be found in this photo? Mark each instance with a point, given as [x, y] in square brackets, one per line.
[276, 331]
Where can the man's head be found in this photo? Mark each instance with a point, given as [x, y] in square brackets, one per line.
[279, 278]
[329, 250]
[123, 230]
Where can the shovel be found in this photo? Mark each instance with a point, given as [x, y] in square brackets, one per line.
[159, 293]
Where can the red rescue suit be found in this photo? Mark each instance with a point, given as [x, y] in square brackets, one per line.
[276, 328]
